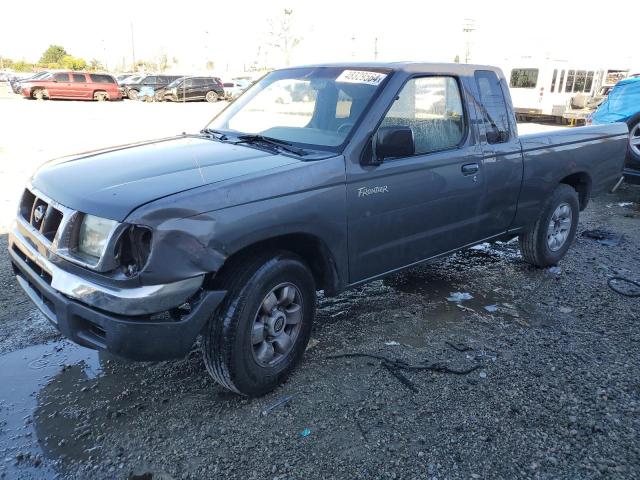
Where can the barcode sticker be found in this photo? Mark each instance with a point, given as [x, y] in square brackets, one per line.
[361, 76]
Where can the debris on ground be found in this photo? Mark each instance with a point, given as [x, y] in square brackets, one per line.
[491, 308]
[305, 433]
[459, 296]
[603, 237]
[460, 347]
[392, 343]
[279, 403]
[555, 270]
[632, 292]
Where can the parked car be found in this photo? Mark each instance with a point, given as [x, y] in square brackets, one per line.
[124, 76]
[623, 105]
[192, 88]
[132, 87]
[16, 83]
[72, 85]
[234, 88]
[228, 233]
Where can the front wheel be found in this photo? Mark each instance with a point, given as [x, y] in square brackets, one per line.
[132, 94]
[551, 236]
[259, 333]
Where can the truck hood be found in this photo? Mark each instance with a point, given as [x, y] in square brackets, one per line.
[111, 183]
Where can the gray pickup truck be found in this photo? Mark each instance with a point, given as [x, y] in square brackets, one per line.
[317, 178]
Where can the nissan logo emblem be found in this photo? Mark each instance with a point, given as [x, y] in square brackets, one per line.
[38, 214]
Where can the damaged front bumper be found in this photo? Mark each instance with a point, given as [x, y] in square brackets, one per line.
[119, 320]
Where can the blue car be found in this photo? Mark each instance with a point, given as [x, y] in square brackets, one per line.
[623, 105]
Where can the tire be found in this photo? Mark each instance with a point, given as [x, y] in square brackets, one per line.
[539, 246]
[633, 155]
[234, 355]
[212, 96]
[101, 96]
[38, 94]
[132, 94]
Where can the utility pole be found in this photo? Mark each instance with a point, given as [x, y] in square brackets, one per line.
[353, 46]
[468, 26]
[133, 49]
[375, 48]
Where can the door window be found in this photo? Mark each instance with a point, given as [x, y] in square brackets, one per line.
[61, 77]
[149, 81]
[493, 106]
[553, 80]
[432, 108]
[198, 82]
[571, 75]
[188, 83]
[79, 78]
[524, 78]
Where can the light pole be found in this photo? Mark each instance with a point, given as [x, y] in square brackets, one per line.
[468, 27]
[133, 49]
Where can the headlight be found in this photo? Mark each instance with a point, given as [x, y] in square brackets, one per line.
[94, 233]
[174, 90]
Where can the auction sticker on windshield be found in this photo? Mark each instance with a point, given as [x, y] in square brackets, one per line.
[361, 76]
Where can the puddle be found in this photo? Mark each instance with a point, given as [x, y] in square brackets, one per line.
[32, 429]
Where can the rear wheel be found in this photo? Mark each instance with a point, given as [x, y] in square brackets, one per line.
[634, 139]
[551, 236]
[100, 96]
[260, 332]
[211, 96]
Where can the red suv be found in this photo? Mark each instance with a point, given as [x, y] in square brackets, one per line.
[73, 85]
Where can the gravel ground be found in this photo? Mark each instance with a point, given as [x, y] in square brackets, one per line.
[554, 391]
[555, 394]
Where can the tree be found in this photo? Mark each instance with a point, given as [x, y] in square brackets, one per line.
[22, 66]
[457, 59]
[53, 54]
[95, 65]
[73, 63]
[281, 36]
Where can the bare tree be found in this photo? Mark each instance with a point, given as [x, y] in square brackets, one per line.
[281, 37]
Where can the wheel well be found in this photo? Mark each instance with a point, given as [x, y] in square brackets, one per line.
[308, 247]
[581, 183]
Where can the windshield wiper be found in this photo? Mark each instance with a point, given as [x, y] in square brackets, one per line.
[221, 135]
[273, 142]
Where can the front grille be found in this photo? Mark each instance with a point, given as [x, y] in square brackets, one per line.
[41, 215]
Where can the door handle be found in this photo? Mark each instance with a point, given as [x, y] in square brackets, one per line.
[470, 169]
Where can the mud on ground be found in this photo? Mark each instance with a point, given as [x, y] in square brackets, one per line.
[556, 392]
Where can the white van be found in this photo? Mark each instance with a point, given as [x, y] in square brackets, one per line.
[546, 89]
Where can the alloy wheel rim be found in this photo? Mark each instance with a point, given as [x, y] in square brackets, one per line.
[559, 227]
[277, 324]
[634, 139]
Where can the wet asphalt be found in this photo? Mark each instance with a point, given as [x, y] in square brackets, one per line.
[552, 389]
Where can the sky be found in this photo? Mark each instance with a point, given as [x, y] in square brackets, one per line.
[231, 33]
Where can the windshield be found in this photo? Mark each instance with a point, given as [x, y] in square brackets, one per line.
[175, 82]
[315, 107]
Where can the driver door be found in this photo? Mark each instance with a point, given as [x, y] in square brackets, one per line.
[411, 208]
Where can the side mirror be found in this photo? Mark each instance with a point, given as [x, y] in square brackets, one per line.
[497, 136]
[394, 142]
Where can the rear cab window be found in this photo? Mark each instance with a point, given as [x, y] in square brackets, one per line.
[494, 106]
